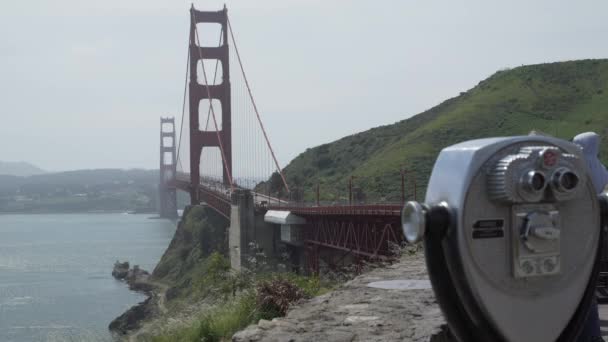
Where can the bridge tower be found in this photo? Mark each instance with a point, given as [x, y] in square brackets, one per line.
[168, 169]
[199, 91]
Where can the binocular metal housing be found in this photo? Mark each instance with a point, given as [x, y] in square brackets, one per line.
[512, 231]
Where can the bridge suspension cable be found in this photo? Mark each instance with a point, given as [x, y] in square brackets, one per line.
[217, 64]
[213, 161]
[181, 128]
[255, 108]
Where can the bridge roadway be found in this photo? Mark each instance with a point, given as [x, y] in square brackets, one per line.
[217, 194]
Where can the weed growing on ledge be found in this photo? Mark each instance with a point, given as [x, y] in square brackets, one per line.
[242, 298]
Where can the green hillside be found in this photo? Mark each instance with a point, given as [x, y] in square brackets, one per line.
[561, 99]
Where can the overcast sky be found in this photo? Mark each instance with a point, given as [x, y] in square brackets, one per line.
[83, 83]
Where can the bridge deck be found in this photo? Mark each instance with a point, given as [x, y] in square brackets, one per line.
[344, 210]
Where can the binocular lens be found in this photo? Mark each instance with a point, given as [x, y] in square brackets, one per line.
[568, 180]
[537, 182]
[564, 180]
[534, 181]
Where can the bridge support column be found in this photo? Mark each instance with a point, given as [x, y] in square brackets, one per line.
[167, 195]
[250, 236]
[199, 90]
[242, 228]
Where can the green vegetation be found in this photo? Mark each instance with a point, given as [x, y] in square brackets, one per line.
[217, 324]
[196, 270]
[260, 299]
[193, 263]
[561, 99]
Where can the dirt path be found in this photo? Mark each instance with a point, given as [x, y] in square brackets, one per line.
[357, 312]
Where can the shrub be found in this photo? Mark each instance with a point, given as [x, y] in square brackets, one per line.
[214, 275]
[275, 296]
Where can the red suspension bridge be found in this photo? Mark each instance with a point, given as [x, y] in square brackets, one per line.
[221, 148]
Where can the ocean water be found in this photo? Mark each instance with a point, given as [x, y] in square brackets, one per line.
[55, 272]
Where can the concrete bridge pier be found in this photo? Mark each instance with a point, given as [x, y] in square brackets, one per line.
[242, 222]
[249, 236]
[291, 236]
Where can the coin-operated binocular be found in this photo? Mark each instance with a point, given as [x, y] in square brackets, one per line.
[512, 231]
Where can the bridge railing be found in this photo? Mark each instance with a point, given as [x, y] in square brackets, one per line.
[368, 236]
[349, 210]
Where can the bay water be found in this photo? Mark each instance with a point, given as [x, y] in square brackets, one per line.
[55, 272]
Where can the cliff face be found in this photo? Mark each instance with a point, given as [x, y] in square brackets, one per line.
[196, 296]
[201, 232]
[179, 286]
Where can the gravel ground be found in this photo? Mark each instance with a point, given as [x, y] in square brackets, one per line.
[357, 312]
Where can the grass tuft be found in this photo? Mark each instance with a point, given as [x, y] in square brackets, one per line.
[241, 299]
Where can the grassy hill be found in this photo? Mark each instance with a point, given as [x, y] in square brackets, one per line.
[561, 99]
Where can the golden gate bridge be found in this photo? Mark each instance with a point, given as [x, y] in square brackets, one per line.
[222, 148]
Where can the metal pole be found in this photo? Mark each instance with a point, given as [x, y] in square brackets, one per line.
[414, 179]
[268, 191]
[403, 171]
[318, 194]
[350, 190]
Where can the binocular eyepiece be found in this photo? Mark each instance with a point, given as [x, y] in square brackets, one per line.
[533, 181]
[563, 180]
[534, 174]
